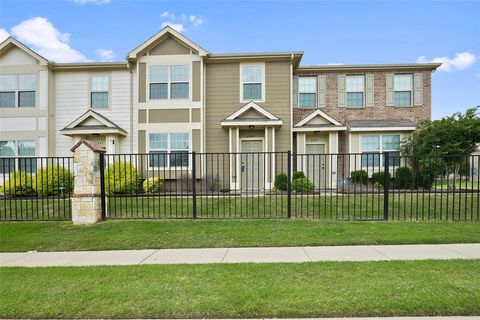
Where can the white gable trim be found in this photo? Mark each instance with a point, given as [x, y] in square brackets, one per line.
[21, 46]
[251, 106]
[320, 113]
[88, 114]
[134, 53]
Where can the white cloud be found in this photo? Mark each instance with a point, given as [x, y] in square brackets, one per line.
[105, 55]
[177, 26]
[3, 34]
[97, 2]
[461, 61]
[47, 40]
[167, 15]
[196, 21]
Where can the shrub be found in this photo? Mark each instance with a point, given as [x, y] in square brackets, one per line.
[281, 182]
[424, 179]
[302, 185]
[121, 177]
[378, 179]
[19, 184]
[54, 180]
[152, 185]
[403, 178]
[359, 176]
[297, 175]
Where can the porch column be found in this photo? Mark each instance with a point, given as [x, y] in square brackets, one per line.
[301, 142]
[269, 157]
[333, 150]
[233, 147]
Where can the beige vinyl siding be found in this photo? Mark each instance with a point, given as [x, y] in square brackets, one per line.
[72, 100]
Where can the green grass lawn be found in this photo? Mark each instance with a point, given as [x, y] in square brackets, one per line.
[64, 236]
[328, 289]
[459, 184]
[403, 205]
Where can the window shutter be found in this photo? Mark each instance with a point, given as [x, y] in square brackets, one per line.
[369, 90]
[389, 101]
[321, 90]
[418, 89]
[295, 92]
[341, 90]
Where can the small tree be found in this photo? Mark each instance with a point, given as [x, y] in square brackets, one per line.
[445, 143]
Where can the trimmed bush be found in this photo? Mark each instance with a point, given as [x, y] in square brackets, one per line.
[403, 178]
[302, 185]
[297, 175]
[122, 177]
[424, 179]
[19, 184]
[53, 181]
[152, 185]
[359, 176]
[378, 179]
[281, 182]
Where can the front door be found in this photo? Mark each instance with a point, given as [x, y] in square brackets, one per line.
[316, 164]
[252, 165]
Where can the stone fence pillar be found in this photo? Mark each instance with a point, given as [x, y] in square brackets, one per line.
[86, 199]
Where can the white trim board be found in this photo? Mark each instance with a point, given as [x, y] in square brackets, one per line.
[320, 113]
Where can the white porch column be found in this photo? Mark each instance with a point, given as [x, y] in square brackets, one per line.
[333, 150]
[301, 142]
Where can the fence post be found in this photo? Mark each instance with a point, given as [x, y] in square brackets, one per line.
[386, 184]
[194, 180]
[102, 186]
[289, 184]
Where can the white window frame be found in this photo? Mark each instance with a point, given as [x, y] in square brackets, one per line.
[380, 151]
[242, 65]
[170, 81]
[91, 75]
[347, 91]
[411, 89]
[169, 150]
[17, 157]
[17, 89]
[314, 92]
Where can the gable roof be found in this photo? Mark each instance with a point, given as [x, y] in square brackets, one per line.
[105, 126]
[266, 117]
[9, 42]
[332, 125]
[163, 34]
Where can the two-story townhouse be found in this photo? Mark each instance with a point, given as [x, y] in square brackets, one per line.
[171, 97]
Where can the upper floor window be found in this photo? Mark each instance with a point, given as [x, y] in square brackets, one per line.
[355, 91]
[403, 90]
[99, 91]
[18, 90]
[169, 149]
[252, 79]
[169, 82]
[307, 92]
[374, 145]
[24, 150]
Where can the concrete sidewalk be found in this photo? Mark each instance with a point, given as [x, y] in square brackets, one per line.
[239, 255]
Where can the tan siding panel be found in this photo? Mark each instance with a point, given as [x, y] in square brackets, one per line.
[196, 117]
[142, 82]
[142, 116]
[142, 142]
[196, 76]
[169, 116]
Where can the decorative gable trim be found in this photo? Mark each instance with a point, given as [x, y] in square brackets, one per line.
[316, 113]
[252, 106]
[107, 126]
[14, 42]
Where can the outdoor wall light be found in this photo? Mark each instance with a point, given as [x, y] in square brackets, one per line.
[251, 127]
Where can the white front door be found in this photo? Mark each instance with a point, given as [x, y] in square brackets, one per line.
[316, 164]
[252, 165]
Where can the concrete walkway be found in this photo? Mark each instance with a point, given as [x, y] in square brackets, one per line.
[238, 255]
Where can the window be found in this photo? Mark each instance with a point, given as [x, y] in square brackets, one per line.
[169, 150]
[169, 82]
[252, 82]
[373, 145]
[355, 91]
[403, 90]
[99, 91]
[307, 92]
[24, 150]
[18, 90]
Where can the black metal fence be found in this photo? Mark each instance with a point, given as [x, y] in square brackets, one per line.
[252, 185]
[35, 188]
[275, 185]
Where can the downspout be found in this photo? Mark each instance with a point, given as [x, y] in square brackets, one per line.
[131, 105]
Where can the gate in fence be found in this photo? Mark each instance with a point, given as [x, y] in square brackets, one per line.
[251, 185]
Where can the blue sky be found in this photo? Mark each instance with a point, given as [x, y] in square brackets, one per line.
[347, 32]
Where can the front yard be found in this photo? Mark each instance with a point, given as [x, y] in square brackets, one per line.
[328, 289]
[110, 235]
